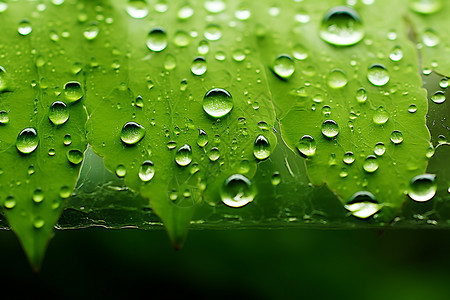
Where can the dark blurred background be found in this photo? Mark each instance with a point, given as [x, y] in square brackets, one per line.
[239, 264]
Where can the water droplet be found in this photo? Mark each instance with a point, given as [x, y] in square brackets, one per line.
[396, 137]
[121, 171]
[203, 47]
[378, 75]
[238, 55]
[217, 102]
[51, 152]
[146, 171]
[10, 202]
[422, 187]
[91, 31]
[379, 149]
[75, 156]
[24, 27]
[137, 9]
[412, 108]
[183, 156]
[67, 140]
[337, 79]
[276, 178]
[3, 6]
[132, 133]
[341, 26]
[73, 91]
[381, 116]
[214, 154]
[58, 113]
[330, 128]
[185, 12]
[215, 6]
[370, 164]
[38, 223]
[199, 66]
[430, 38]
[284, 66]
[31, 170]
[237, 191]
[307, 146]
[426, 6]
[38, 195]
[65, 192]
[27, 141]
[202, 139]
[4, 117]
[443, 83]
[213, 32]
[242, 14]
[170, 62]
[396, 54]
[261, 147]
[182, 38]
[349, 158]
[361, 95]
[363, 205]
[300, 52]
[171, 145]
[438, 97]
[3, 80]
[157, 40]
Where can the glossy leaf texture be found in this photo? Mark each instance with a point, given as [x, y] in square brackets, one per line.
[43, 136]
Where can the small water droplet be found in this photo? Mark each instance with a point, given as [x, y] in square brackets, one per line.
[307, 146]
[10, 202]
[121, 171]
[199, 66]
[341, 26]
[171, 145]
[217, 102]
[261, 147]
[349, 158]
[422, 187]
[438, 97]
[65, 192]
[337, 79]
[38, 195]
[443, 83]
[425, 6]
[370, 164]
[185, 12]
[378, 75]
[146, 171]
[170, 62]
[237, 191]
[238, 55]
[3, 80]
[275, 179]
[396, 137]
[4, 117]
[67, 140]
[157, 40]
[202, 139]
[132, 133]
[330, 128]
[396, 54]
[58, 113]
[183, 156]
[137, 9]
[74, 156]
[300, 52]
[31, 170]
[27, 141]
[203, 47]
[182, 38]
[284, 66]
[242, 14]
[91, 31]
[3, 6]
[379, 149]
[73, 91]
[363, 205]
[361, 95]
[213, 32]
[215, 6]
[213, 154]
[24, 27]
[430, 38]
[38, 223]
[412, 108]
[381, 116]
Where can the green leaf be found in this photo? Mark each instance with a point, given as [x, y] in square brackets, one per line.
[34, 183]
[325, 86]
[171, 110]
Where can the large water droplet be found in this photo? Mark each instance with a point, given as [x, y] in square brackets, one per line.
[74, 156]
[24, 27]
[396, 137]
[349, 158]
[132, 133]
[137, 9]
[284, 66]
[27, 141]
[438, 97]
[363, 205]
[379, 149]
[10, 202]
[157, 40]
[306, 146]
[58, 113]
[146, 171]
[330, 128]
[381, 116]
[378, 75]
[237, 191]
[217, 102]
[341, 26]
[370, 164]
[261, 147]
[337, 79]
[422, 187]
[425, 6]
[73, 91]
[183, 157]
[430, 38]
[199, 66]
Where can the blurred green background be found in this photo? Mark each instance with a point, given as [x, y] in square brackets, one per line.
[235, 264]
